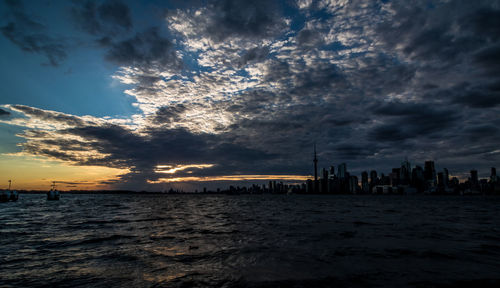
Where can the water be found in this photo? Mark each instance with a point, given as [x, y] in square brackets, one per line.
[250, 241]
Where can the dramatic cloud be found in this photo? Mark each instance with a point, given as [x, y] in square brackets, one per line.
[4, 113]
[102, 18]
[30, 35]
[243, 18]
[146, 50]
[413, 120]
[247, 87]
[225, 19]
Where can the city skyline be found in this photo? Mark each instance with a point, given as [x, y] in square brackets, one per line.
[399, 179]
[147, 95]
[405, 179]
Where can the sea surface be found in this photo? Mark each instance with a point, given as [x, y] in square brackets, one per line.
[250, 241]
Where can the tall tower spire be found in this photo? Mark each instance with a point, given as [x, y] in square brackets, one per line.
[315, 160]
[316, 182]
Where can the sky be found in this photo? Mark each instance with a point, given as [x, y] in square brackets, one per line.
[149, 95]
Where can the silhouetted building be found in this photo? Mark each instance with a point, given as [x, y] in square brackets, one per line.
[365, 187]
[373, 177]
[446, 178]
[429, 171]
[384, 180]
[373, 180]
[341, 171]
[332, 171]
[405, 172]
[325, 173]
[309, 186]
[353, 184]
[418, 179]
[493, 176]
[473, 178]
[324, 182]
[440, 179]
[430, 174]
[315, 160]
[395, 176]
[494, 183]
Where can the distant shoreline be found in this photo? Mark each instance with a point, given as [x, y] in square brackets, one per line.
[126, 192]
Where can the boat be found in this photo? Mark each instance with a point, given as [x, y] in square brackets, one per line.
[14, 195]
[53, 194]
[9, 195]
[5, 196]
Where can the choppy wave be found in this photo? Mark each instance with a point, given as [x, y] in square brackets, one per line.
[250, 241]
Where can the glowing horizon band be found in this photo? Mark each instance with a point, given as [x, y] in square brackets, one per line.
[172, 169]
[232, 178]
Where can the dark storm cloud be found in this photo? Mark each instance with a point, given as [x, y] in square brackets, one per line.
[481, 132]
[30, 35]
[105, 18]
[485, 22]
[49, 116]
[277, 71]
[412, 120]
[479, 95]
[321, 77]
[169, 114]
[115, 12]
[68, 144]
[146, 50]
[309, 38]
[489, 59]
[401, 109]
[252, 19]
[307, 81]
[478, 98]
[257, 54]
[118, 147]
[442, 31]
[111, 22]
[382, 74]
[4, 113]
[354, 151]
[35, 148]
[389, 132]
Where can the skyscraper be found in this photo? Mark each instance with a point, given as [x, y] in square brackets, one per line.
[395, 176]
[324, 181]
[315, 160]
[364, 182]
[341, 171]
[332, 171]
[473, 177]
[405, 172]
[446, 177]
[430, 172]
[373, 178]
[353, 184]
[440, 178]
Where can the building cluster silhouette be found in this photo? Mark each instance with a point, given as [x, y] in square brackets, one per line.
[406, 179]
[402, 180]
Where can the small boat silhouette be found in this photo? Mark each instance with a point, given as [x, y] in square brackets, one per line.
[9, 195]
[53, 194]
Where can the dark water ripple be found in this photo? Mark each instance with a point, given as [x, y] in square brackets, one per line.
[250, 241]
